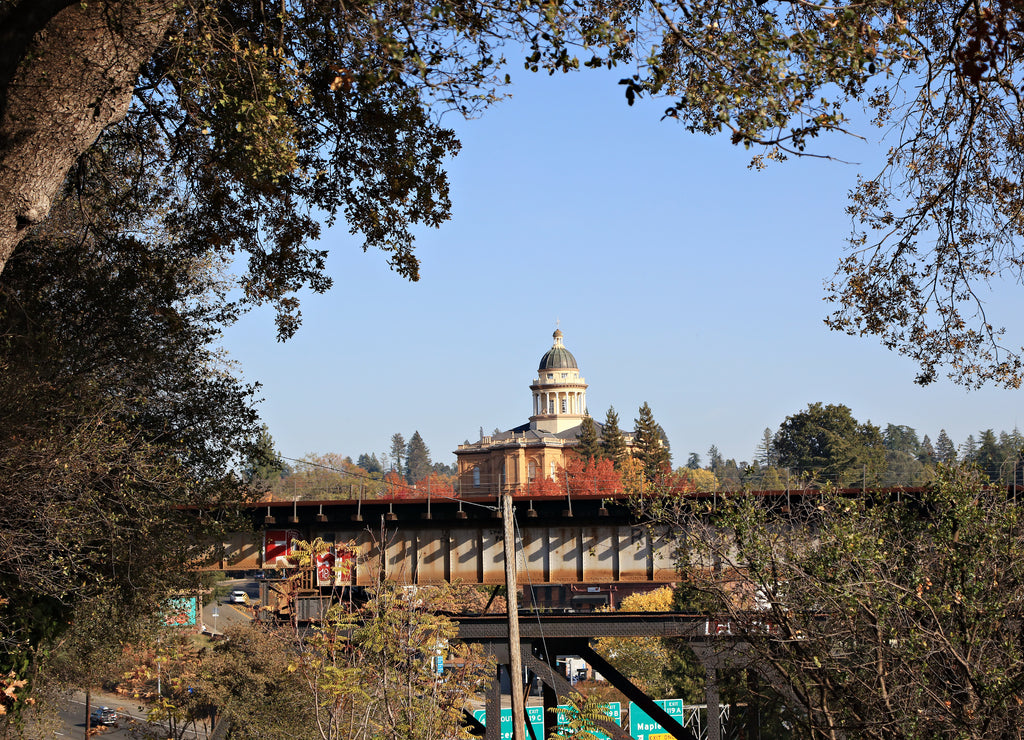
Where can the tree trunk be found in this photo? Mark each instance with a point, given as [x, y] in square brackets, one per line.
[74, 76]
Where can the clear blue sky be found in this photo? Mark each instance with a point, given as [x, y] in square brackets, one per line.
[681, 278]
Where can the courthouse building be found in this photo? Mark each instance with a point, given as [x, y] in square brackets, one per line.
[538, 448]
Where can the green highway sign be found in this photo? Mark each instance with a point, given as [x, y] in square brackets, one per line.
[535, 716]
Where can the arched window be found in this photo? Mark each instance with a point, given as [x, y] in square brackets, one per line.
[476, 477]
[532, 471]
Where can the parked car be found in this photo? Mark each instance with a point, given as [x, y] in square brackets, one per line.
[238, 597]
[103, 716]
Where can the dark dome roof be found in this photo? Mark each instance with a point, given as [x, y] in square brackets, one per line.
[558, 356]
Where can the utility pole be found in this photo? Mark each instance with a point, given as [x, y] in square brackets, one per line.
[515, 659]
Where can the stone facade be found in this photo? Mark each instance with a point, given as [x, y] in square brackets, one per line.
[538, 449]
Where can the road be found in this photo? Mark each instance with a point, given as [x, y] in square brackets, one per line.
[231, 614]
[69, 721]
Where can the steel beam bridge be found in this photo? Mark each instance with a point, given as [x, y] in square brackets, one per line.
[543, 637]
[428, 541]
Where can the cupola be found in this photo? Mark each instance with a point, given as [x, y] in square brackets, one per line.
[559, 391]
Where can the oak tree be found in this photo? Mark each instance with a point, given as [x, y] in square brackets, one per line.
[890, 617]
[119, 420]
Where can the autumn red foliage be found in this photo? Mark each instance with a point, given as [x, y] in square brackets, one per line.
[433, 484]
[578, 477]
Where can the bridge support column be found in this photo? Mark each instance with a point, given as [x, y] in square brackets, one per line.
[550, 702]
[706, 655]
[494, 707]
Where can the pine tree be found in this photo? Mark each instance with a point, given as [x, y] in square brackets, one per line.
[587, 445]
[397, 451]
[969, 449]
[265, 461]
[369, 463]
[649, 448]
[417, 459]
[1010, 444]
[945, 450]
[613, 444]
[989, 457]
[693, 461]
[927, 454]
[765, 454]
[715, 460]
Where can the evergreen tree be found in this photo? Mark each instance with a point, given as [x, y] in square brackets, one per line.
[715, 460]
[587, 445]
[989, 457]
[829, 444]
[765, 454]
[649, 447]
[440, 468]
[370, 463]
[902, 450]
[397, 451]
[265, 461]
[613, 444]
[1010, 444]
[969, 450]
[927, 454]
[693, 461]
[945, 450]
[417, 459]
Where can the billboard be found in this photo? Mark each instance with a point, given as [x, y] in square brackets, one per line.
[181, 611]
[277, 547]
[334, 567]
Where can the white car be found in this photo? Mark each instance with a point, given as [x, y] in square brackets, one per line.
[238, 597]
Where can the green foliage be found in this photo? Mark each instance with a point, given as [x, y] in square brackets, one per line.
[398, 448]
[580, 718]
[613, 444]
[417, 459]
[903, 453]
[945, 450]
[650, 447]
[587, 445]
[265, 462]
[372, 675]
[271, 119]
[119, 421]
[247, 678]
[645, 661]
[369, 463]
[826, 442]
[766, 455]
[892, 618]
